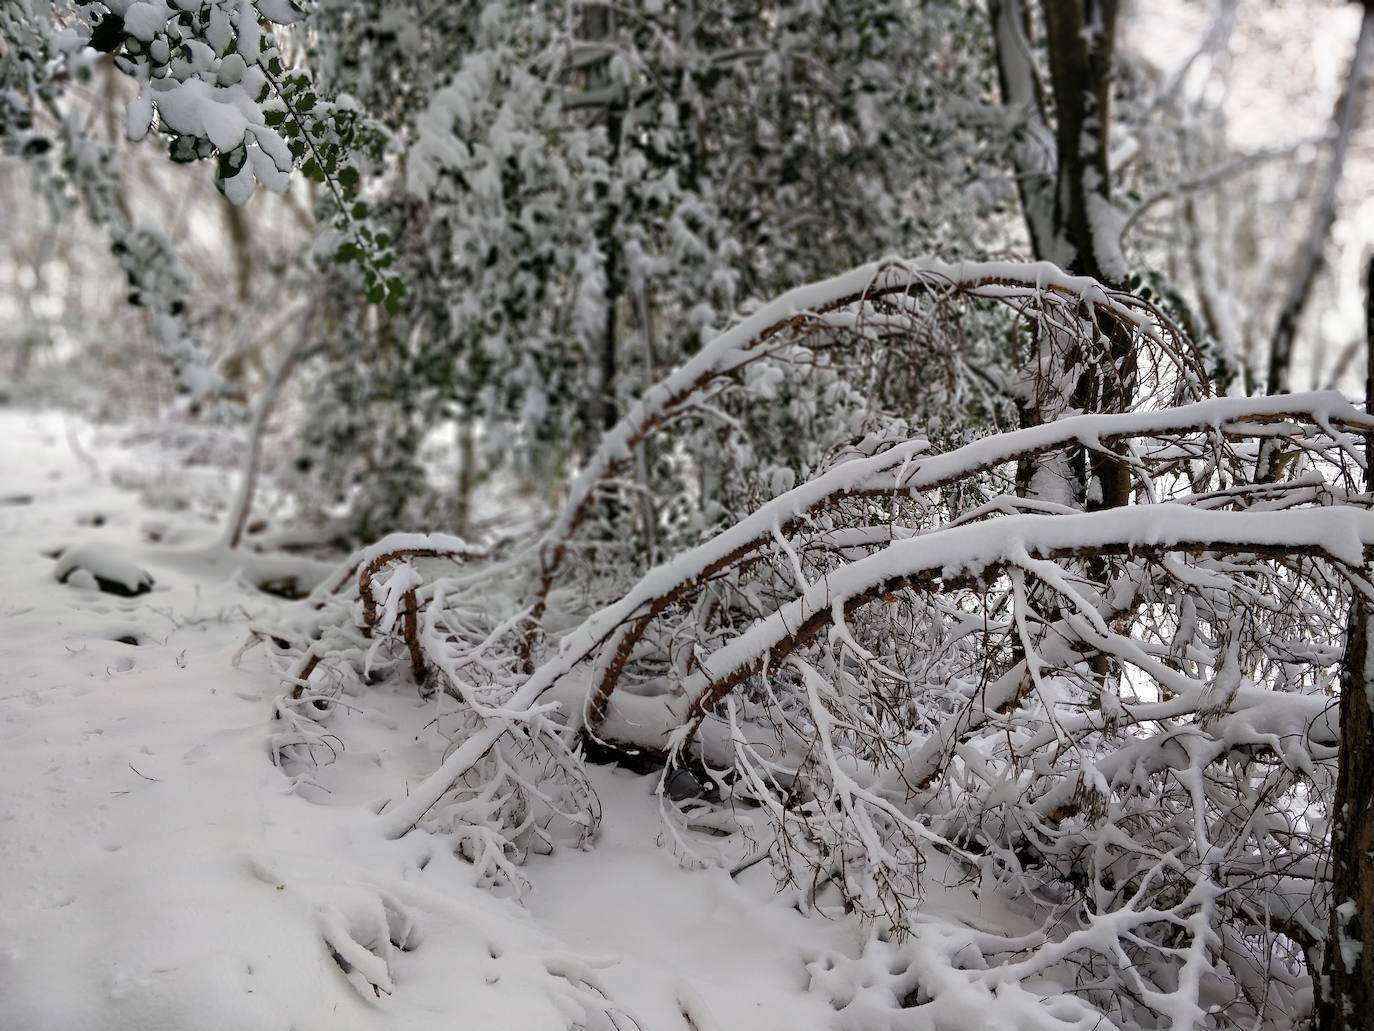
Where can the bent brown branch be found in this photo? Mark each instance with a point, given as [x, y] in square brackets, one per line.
[955, 556]
[364, 568]
[1233, 417]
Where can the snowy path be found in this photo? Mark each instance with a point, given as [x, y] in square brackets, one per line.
[157, 872]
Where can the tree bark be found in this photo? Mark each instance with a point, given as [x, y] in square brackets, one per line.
[1066, 200]
[1346, 987]
[1033, 149]
[1080, 38]
[1066, 207]
[598, 23]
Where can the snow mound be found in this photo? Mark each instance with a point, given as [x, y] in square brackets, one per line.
[96, 566]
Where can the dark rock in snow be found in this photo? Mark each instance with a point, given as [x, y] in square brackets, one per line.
[90, 565]
[682, 785]
[287, 587]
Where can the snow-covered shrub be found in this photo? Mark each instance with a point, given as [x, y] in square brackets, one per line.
[580, 202]
[1119, 718]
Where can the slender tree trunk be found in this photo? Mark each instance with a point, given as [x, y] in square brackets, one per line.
[1065, 204]
[1346, 987]
[1024, 100]
[1081, 36]
[242, 506]
[241, 236]
[644, 455]
[601, 410]
[467, 477]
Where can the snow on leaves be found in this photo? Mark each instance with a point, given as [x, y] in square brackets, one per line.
[1114, 717]
[204, 70]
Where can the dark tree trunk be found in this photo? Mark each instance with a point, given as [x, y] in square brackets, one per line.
[1024, 99]
[1059, 208]
[1346, 991]
[599, 410]
[1080, 35]
[1059, 205]
[600, 414]
[1058, 202]
[1348, 1002]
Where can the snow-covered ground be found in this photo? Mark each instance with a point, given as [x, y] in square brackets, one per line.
[157, 871]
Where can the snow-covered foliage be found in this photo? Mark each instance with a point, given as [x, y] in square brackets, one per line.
[959, 576]
[582, 200]
[1118, 718]
[211, 82]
